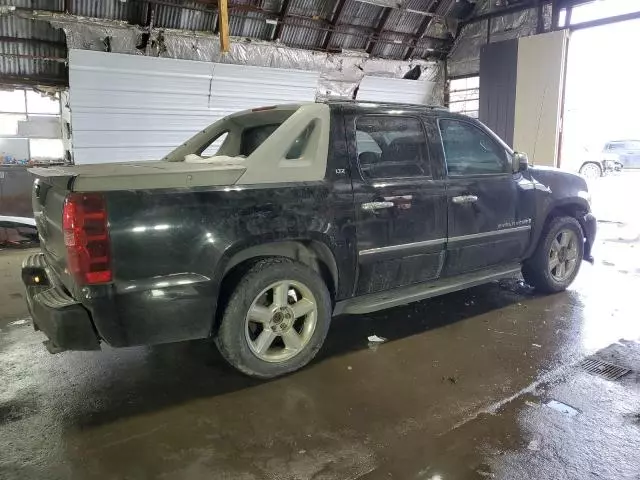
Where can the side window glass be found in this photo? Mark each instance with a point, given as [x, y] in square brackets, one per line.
[470, 151]
[391, 147]
[300, 143]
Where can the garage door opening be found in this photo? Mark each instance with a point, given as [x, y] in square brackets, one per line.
[601, 134]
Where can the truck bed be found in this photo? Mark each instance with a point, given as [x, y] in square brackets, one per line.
[139, 176]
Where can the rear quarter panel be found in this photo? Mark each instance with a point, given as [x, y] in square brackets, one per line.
[170, 248]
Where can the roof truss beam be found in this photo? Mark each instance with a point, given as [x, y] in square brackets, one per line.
[379, 29]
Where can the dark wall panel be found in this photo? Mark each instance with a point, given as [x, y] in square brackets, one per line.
[15, 191]
[498, 75]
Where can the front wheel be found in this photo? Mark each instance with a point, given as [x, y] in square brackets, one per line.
[591, 170]
[276, 320]
[556, 261]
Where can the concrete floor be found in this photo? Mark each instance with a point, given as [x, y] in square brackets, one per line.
[459, 391]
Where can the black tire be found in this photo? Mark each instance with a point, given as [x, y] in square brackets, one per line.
[231, 339]
[536, 271]
[588, 170]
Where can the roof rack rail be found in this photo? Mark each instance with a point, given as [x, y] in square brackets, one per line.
[372, 102]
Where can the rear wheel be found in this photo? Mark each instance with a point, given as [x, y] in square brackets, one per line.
[556, 261]
[276, 320]
[591, 170]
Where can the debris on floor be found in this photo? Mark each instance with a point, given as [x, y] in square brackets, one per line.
[534, 445]
[562, 408]
[22, 321]
[376, 339]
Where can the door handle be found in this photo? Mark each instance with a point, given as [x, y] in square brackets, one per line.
[464, 199]
[372, 206]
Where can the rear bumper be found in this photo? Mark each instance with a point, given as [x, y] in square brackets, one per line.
[65, 322]
[589, 226]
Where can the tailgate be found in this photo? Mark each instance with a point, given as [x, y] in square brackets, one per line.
[47, 197]
[53, 184]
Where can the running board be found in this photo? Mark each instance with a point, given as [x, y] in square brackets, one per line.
[414, 293]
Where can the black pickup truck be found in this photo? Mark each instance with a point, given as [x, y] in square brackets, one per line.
[305, 212]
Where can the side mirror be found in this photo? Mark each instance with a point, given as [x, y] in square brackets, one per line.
[520, 162]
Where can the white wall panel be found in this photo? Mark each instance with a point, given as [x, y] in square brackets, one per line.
[397, 90]
[238, 87]
[132, 108]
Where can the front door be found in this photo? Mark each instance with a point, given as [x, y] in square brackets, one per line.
[489, 223]
[400, 202]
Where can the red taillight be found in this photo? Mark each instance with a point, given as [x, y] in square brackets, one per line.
[86, 236]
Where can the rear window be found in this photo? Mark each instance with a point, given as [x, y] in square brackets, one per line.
[253, 137]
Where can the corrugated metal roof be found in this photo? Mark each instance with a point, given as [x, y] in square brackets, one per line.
[32, 39]
[312, 8]
[424, 47]
[348, 42]
[437, 28]
[37, 4]
[354, 28]
[358, 13]
[445, 6]
[111, 9]
[302, 34]
[407, 21]
[393, 46]
[17, 27]
[271, 5]
[185, 18]
[252, 25]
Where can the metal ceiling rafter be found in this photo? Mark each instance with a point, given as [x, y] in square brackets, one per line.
[333, 22]
[379, 28]
[37, 41]
[503, 11]
[422, 29]
[284, 11]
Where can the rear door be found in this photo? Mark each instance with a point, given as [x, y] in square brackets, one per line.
[632, 154]
[489, 220]
[400, 200]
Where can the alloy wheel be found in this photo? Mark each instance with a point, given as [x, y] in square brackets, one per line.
[281, 321]
[563, 255]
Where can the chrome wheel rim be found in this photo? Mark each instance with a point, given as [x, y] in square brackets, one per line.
[281, 321]
[590, 171]
[563, 255]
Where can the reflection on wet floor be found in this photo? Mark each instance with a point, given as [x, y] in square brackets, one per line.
[460, 389]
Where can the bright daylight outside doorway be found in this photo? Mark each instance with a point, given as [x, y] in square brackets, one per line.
[601, 132]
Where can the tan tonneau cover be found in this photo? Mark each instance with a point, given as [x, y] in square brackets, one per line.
[267, 164]
[140, 176]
